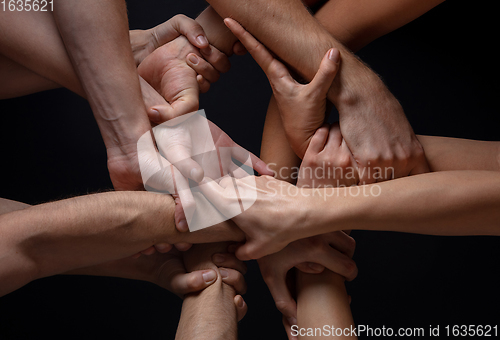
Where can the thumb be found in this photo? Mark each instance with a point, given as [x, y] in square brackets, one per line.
[327, 71]
[183, 284]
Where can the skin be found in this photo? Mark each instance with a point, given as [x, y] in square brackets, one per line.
[37, 238]
[210, 314]
[372, 120]
[290, 208]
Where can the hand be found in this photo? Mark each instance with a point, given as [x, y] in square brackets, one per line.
[328, 162]
[191, 137]
[168, 72]
[379, 136]
[302, 107]
[371, 120]
[311, 255]
[265, 200]
[144, 42]
[230, 269]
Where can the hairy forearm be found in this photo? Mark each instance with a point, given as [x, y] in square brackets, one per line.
[322, 301]
[96, 37]
[209, 314]
[56, 237]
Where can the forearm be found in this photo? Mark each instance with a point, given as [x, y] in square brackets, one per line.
[33, 41]
[438, 203]
[20, 81]
[217, 33]
[322, 302]
[357, 23]
[285, 25]
[56, 237]
[209, 314]
[445, 153]
[96, 37]
[275, 149]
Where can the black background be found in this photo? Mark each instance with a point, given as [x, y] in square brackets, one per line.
[443, 67]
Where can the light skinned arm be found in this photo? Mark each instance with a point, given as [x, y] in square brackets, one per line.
[322, 301]
[36, 240]
[211, 313]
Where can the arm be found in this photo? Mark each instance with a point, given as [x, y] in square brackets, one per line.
[372, 120]
[209, 314]
[37, 240]
[22, 81]
[322, 301]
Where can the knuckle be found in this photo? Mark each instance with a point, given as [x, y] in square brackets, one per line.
[351, 270]
[282, 305]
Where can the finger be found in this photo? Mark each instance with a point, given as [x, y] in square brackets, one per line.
[150, 251]
[271, 67]
[342, 242]
[202, 67]
[203, 84]
[219, 60]
[339, 263]
[180, 25]
[318, 141]
[239, 49]
[327, 71]
[228, 260]
[310, 268]
[288, 323]
[183, 284]
[163, 247]
[179, 155]
[183, 246]
[235, 279]
[241, 307]
[249, 251]
[334, 138]
[215, 194]
[242, 155]
[180, 217]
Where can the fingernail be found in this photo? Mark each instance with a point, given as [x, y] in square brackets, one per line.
[209, 276]
[334, 55]
[196, 175]
[183, 225]
[240, 302]
[154, 115]
[224, 273]
[219, 258]
[202, 40]
[193, 59]
[292, 321]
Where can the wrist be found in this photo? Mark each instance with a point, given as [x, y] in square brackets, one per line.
[356, 86]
